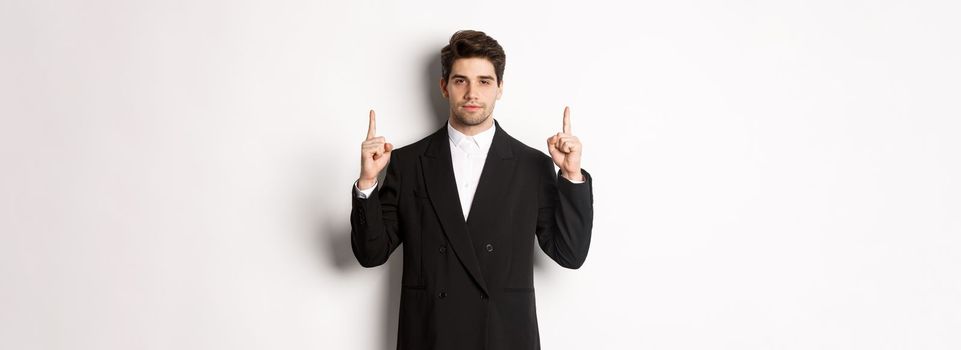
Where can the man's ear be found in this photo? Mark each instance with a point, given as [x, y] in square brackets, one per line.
[443, 87]
[500, 89]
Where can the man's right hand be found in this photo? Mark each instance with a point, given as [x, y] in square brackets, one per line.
[374, 155]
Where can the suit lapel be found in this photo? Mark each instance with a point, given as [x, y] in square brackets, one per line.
[442, 190]
[495, 178]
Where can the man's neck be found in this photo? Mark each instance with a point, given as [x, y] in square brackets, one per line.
[471, 130]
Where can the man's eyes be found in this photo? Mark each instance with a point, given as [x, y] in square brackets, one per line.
[461, 81]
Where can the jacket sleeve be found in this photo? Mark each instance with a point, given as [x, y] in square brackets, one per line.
[565, 217]
[373, 221]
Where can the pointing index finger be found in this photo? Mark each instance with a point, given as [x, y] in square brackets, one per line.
[567, 120]
[372, 127]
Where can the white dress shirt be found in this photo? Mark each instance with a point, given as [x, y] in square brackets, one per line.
[468, 155]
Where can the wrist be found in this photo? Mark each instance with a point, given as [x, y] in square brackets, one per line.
[573, 176]
[366, 184]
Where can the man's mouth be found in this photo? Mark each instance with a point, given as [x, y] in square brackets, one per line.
[467, 107]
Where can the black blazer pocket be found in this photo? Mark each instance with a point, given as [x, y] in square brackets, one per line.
[518, 290]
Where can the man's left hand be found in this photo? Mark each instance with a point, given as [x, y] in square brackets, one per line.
[566, 150]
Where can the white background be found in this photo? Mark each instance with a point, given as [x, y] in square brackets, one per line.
[769, 175]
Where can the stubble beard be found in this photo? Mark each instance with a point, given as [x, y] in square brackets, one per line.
[472, 119]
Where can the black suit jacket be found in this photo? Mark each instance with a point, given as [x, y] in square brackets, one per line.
[469, 285]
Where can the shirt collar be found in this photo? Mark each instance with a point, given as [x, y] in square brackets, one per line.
[483, 139]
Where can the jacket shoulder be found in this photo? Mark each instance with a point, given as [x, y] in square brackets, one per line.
[527, 153]
[411, 151]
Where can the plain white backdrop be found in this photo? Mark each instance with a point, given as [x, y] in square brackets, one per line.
[769, 175]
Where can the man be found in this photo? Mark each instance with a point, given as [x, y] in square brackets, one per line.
[467, 202]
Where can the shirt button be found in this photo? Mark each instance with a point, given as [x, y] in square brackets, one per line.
[490, 247]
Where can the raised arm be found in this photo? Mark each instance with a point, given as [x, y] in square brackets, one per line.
[565, 214]
[373, 217]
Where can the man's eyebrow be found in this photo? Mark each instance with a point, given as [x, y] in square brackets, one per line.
[465, 77]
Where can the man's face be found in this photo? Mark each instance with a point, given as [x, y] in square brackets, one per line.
[471, 89]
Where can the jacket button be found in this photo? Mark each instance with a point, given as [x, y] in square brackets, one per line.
[442, 295]
[442, 249]
[483, 297]
[490, 247]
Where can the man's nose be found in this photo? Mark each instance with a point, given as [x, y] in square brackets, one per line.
[470, 92]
